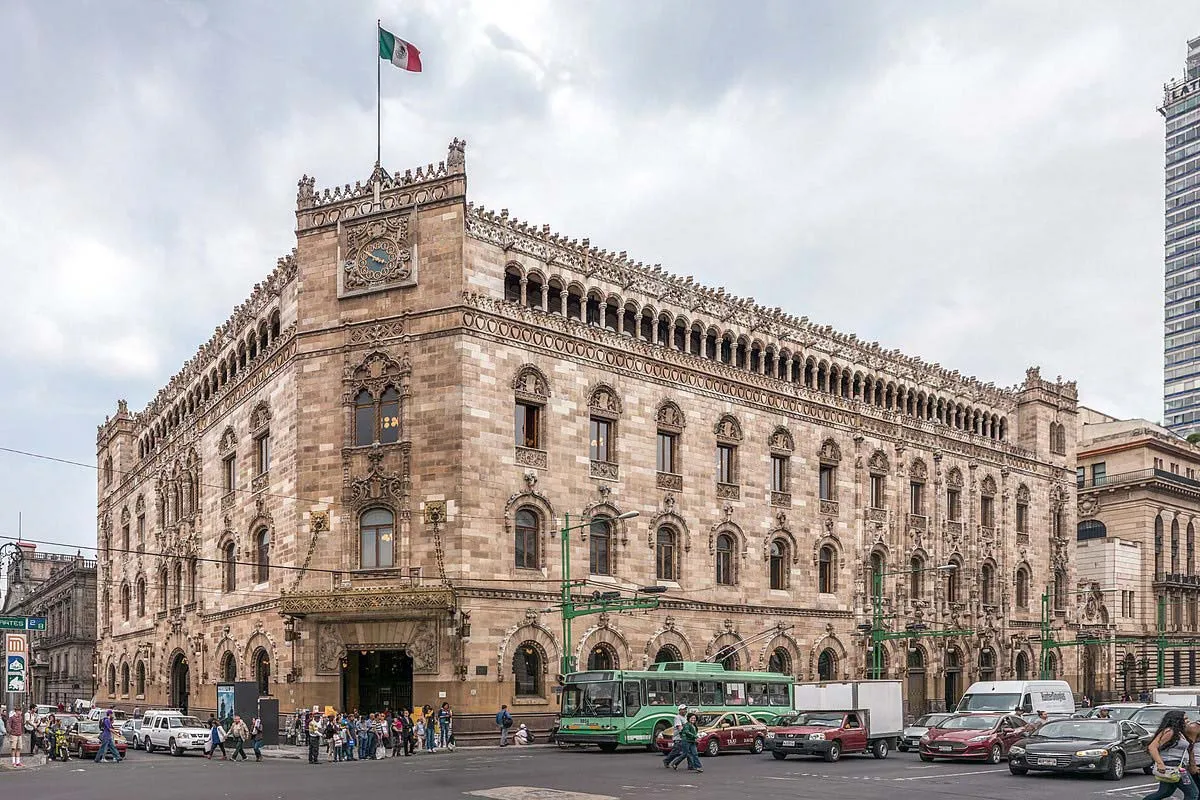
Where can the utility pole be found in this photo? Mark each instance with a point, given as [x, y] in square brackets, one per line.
[879, 635]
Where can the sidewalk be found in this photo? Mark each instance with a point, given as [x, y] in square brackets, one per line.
[27, 762]
[300, 753]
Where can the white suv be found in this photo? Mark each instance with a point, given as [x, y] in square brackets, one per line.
[171, 730]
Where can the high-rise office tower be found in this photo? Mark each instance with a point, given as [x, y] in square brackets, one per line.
[1181, 379]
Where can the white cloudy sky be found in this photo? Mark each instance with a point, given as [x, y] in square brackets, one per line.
[976, 183]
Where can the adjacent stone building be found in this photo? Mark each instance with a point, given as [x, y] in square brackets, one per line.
[61, 588]
[353, 493]
[1139, 508]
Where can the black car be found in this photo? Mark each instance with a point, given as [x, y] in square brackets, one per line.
[1150, 717]
[1084, 746]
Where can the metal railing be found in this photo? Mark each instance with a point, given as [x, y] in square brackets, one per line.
[1137, 476]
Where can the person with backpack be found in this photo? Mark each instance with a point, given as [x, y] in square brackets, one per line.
[504, 721]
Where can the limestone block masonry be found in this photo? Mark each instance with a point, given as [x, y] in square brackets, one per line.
[353, 493]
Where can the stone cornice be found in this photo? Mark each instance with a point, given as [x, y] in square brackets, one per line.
[229, 613]
[667, 604]
[359, 601]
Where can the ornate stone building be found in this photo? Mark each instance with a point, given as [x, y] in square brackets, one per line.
[61, 588]
[1139, 509]
[353, 492]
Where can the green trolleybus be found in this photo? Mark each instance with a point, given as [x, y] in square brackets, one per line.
[609, 708]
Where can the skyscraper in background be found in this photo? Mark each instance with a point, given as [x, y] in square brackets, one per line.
[1181, 350]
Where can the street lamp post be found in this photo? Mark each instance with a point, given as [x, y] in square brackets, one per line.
[600, 602]
[878, 634]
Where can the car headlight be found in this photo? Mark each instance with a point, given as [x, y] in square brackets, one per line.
[925, 739]
[983, 738]
[818, 736]
[1016, 750]
[1096, 752]
[770, 734]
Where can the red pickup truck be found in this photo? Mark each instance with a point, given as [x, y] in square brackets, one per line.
[828, 734]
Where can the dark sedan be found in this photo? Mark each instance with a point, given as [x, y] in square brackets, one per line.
[1084, 746]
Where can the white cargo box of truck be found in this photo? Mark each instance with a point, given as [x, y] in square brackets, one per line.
[883, 700]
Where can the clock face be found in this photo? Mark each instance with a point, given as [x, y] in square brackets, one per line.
[376, 256]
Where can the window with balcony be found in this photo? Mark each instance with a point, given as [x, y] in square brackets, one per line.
[779, 473]
[229, 472]
[1022, 517]
[262, 454]
[600, 439]
[1099, 472]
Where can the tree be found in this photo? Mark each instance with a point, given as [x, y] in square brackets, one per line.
[1193, 438]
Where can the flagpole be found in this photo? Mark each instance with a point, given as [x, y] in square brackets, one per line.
[378, 93]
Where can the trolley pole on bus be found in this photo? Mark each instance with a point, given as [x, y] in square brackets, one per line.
[599, 602]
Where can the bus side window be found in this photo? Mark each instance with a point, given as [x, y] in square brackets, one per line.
[777, 694]
[633, 698]
[756, 694]
[659, 693]
[735, 694]
[711, 693]
[687, 692]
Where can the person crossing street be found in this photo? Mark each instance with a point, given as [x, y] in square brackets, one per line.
[677, 735]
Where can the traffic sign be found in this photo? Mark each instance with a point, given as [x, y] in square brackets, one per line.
[16, 684]
[16, 664]
[15, 678]
[22, 623]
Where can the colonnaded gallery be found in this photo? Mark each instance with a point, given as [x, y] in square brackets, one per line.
[352, 493]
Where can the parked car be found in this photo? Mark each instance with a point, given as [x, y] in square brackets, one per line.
[1115, 710]
[99, 713]
[972, 736]
[84, 740]
[1018, 697]
[828, 734]
[910, 738]
[1086, 746]
[733, 730]
[131, 733]
[172, 731]
[1150, 717]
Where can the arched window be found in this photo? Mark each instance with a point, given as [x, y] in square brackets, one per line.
[1158, 548]
[600, 546]
[163, 586]
[262, 672]
[1060, 589]
[601, 657]
[389, 416]
[376, 533]
[667, 653]
[526, 525]
[664, 555]
[780, 661]
[527, 670]
[125, 601]
[876, 568]
[1175, 546]
[112, 679]
[1090, 529]
[364, 418]
[1022, 587]
[777, 562]
[229, 555]
[987, 581]
[228, 668]
[140, 593]
[916, 577]
[178, 587]
[987, 664]
[1022, 665]
[954, 582]
[729, 659]
[140, 673]
[262, 556]
[725, 560]
[826, 570]
[1191, 549]
[108, 470]
[826, 665]
[192, 580]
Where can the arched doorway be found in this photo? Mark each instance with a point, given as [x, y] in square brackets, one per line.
[1022, 666]
[827, 665]
[1088, 668]
[668, 652]
[376, 680]
[780, 661]
[916, 682]
[262, 672]
[602, 657]
[1129, 675]
[729, 659]
[179, 682]
[953, 677]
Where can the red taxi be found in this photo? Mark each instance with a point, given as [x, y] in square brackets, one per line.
[972, 736]
[732, 730]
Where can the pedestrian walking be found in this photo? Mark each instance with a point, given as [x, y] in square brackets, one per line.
[16, 731]
[256, 737]
[676, 735]
[314, 740]
[690, 734]
[216, 738]
[1174, 760]
[504, 721]
[238, 734]
[106, 739]
[445, 724]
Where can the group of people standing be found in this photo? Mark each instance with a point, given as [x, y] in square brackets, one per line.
[236, 735]
[354, 737]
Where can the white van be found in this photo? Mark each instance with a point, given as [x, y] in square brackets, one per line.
[1021, 697]
[1177, 696]
[172, 731]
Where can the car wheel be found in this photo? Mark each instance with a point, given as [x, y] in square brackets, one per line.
[1017, 770]
[902, 748]
[608, 747]
[778, 756]
[757, 746]
[713, 747]
[1148, 769]
[995, 754]
[148, 745]
[1116, 768]
[880, 748]
[926, 758]
[834, 752]
[80, 754]
[175, 751]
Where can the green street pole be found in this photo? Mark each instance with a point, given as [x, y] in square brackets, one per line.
[1162, 642]
[876, 625]
[568, 608]
[1048, 642]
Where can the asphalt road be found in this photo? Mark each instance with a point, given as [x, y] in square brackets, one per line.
[541, 773]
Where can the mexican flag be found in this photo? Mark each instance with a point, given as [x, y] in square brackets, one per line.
[399, 52]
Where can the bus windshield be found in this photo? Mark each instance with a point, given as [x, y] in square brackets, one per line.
[592, 700]
[989, 702]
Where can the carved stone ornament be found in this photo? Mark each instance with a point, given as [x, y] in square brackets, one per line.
[604, 401]
[917, 471]
[530, 383]
[669, 417]
[954, 478]
[1022, 494]
[1088, 506]
[330, 649]
[878, 463]
[781, 440]
[424, 648]
[728, 428]
[377, 485]
[378, 255]
[260, 417]
[830, 453]
[988, 487]
[228, 440]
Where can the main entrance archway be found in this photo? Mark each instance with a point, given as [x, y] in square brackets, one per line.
[953, 676]
[377, 680]
[179, 682]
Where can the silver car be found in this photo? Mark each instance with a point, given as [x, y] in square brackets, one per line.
[910, 739]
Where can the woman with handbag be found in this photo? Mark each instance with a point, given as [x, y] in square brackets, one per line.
[216, 738]
[1171, 749]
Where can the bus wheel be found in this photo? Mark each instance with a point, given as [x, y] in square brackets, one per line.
[661, 726]
[608, 747]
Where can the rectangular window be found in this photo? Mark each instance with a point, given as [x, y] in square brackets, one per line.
[828, 482]
[779, 473]
[666, 452]
[125, 538]
[735, 694]
[877, 491]
[1022, 518]
[711, 693]
[1098, 473]
[987, 514]
[687, 692]
[726, 463]
[141, 529]
[1158, 463]
[660, 693]
[1080, 476]
[229, 467]
[916, 498]
[954, 505]
[528, 431]
[262, 453]
[601, 432]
